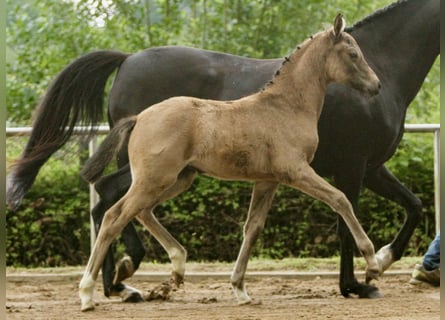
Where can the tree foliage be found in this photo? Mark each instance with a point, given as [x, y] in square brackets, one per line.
[44, 36]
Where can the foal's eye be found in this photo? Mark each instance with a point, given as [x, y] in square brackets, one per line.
[353, 55]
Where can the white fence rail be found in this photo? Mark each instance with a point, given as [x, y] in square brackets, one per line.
[432, 128]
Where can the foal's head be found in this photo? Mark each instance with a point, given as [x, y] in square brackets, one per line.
[345, 62]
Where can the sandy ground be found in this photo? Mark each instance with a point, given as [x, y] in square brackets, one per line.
[309, 297]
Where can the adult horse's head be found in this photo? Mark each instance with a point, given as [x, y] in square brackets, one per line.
[346, 63]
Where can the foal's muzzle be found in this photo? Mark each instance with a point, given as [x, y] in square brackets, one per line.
[374, 90]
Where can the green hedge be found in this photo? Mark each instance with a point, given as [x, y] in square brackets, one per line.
[52, 225]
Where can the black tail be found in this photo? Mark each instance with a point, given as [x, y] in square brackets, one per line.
[75, 97]
[96, 164]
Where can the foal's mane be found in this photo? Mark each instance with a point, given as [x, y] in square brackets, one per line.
[298, 51]
[376, 14]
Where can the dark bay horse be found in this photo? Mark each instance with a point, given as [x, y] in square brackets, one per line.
[269, 137]
[357, 136]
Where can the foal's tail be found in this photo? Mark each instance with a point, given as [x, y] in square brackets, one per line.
[96, 164]
[75, 96]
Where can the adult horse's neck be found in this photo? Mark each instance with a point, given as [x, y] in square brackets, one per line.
[401, 43]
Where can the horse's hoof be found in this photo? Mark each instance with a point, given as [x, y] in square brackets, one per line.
[369, 292]
[124, 270]
[372, 275]
[177, 279]
[134, 297]
[376, 294]
[245, 302]
[385, 257]
[250, 303]
[362, 290]
[87, 307]
[161, 292]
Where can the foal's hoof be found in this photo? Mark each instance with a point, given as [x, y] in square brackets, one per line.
[87, 307]
[161, 292]
[244, 302]
[250, 303]
[385, 257]
[177, 279]
[372, 275]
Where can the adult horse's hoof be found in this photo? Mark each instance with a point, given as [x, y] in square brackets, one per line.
[127, 293]
[370, 292]
[376, 294]
[134, 297]
[124, 270]
[362, 290]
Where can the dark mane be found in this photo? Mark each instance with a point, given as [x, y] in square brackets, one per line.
[288, 58]
[375, 15]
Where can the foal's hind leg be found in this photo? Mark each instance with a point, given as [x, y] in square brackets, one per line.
[262, 196]
[114, 221]
[140, 197]
[174, 249]
[312, 184]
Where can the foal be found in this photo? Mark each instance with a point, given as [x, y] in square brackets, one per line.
[250, 139]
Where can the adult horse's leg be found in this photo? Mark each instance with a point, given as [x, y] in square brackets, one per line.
[110, 189]
[262, 196]
[112, 287]
[384, 183]
[349, 181]
[307, 181]
[108, 266]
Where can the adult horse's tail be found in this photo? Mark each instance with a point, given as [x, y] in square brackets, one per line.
[75, 97]
[96, 164]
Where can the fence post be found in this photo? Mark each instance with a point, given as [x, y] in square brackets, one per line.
[437, 178]
[94, 197]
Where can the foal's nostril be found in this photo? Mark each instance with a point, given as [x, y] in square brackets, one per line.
[376, 89]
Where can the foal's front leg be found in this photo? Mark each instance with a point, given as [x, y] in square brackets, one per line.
[262, 196]
[307, 181]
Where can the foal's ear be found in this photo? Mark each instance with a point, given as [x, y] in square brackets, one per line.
[339, 25]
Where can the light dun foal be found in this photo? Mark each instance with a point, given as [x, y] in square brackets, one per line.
[269, 137]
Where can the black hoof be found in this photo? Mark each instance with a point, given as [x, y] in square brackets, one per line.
[363, 291]
[376, 294]
[116, 291]
[135, 297]
[124, 270]
[369, 292]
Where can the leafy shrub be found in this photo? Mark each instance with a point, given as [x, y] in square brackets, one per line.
[52, 225]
